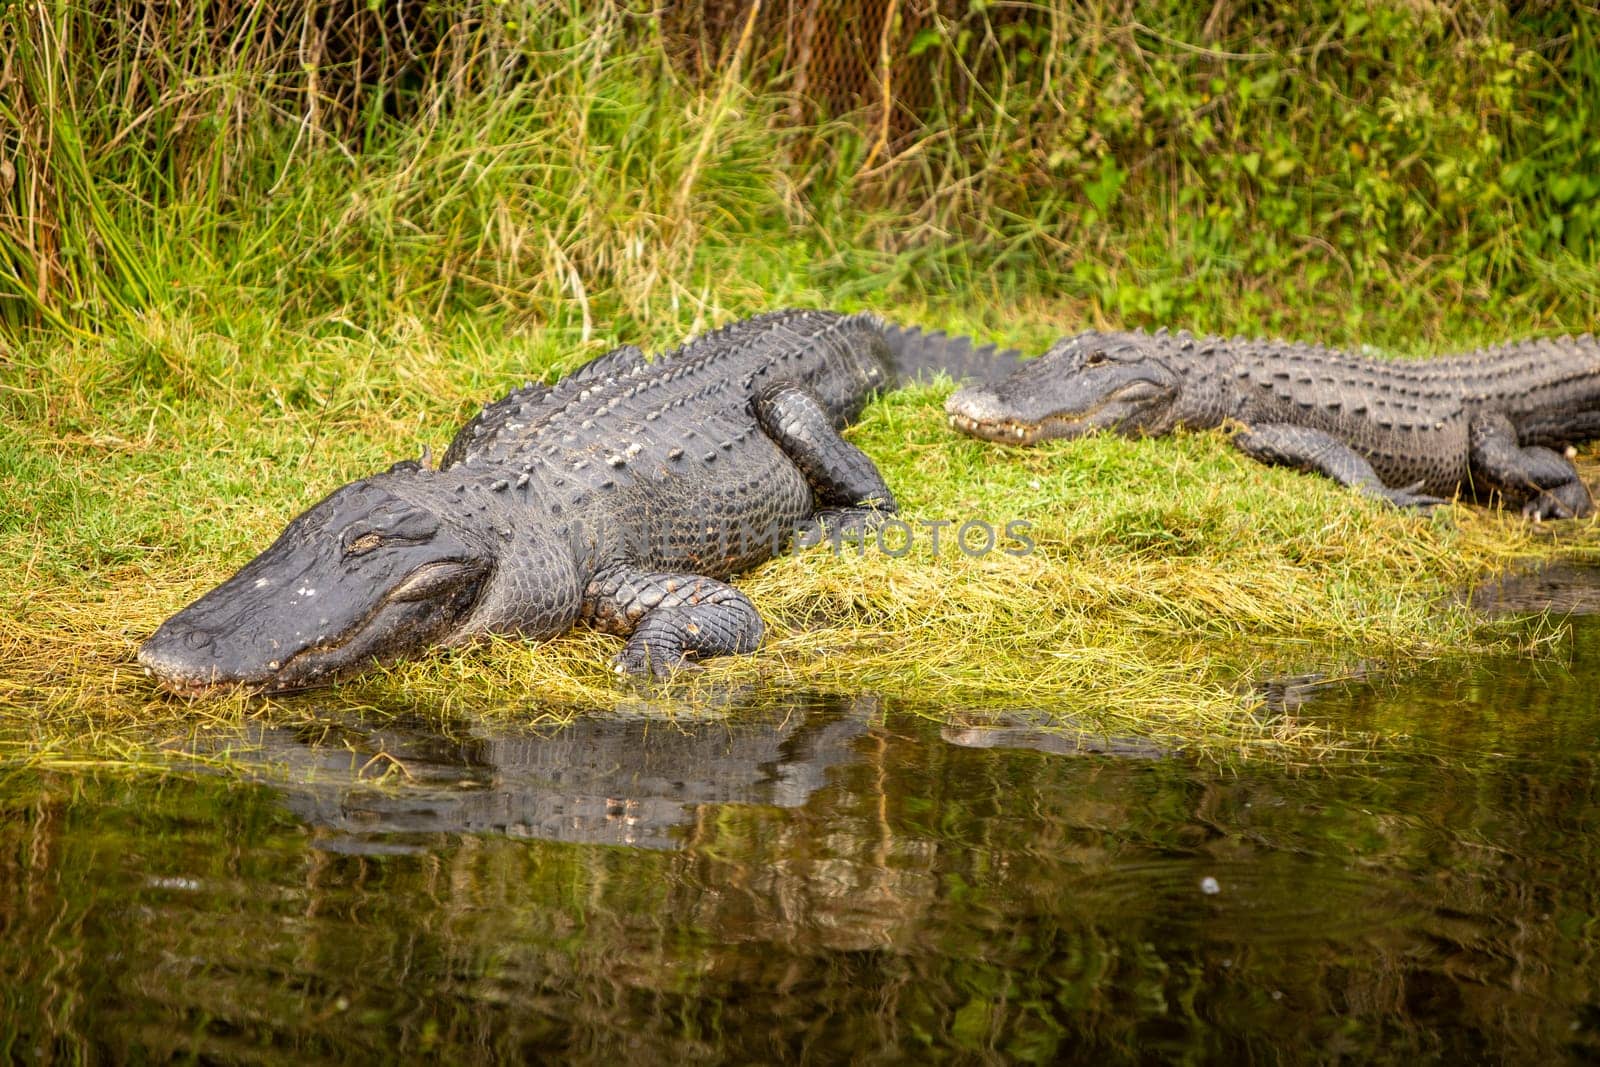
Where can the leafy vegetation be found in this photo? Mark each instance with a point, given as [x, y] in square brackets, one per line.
[1231, 164]
[1344, 171]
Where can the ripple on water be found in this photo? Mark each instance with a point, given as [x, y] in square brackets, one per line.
[1269, 898]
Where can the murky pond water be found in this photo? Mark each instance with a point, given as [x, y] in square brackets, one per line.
[824, 878]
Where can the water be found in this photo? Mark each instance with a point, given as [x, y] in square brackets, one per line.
[827, 879]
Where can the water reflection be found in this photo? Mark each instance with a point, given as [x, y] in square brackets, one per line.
[1042, 732]
[820, 878]
[1563, 587]
[622, 779]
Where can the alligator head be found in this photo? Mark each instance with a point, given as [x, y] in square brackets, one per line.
[367, 575]
[1085, 384]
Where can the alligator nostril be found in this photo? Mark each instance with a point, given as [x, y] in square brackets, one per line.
[198, 640]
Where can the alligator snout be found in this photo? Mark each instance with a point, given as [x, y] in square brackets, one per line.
[185, 661]
[974, 405]
[979, 411]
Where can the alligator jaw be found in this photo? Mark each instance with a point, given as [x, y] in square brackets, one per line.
[1003, 431]
[182, 679]
[198, 689]
[1031, 407]
[978, 411]
[170, 676]
[981, 413]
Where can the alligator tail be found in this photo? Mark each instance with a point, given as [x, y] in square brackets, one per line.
[918, 354]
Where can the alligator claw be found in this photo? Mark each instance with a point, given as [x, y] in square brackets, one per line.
[1410, 497]
[639, 664]
[1568, 501]
[840, 528]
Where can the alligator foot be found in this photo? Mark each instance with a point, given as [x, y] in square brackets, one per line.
[1569, 500]
[1544, 480]
[840, 528]
[852, 498]
[659, 664]
[1410, 497]
[669, 619]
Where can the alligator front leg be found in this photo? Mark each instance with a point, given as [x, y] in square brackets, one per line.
[1544, 481]
[851, 495]
[669, 619]
[1303, 448]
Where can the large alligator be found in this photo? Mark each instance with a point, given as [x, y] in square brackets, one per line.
[1481, 424]
[619, 497]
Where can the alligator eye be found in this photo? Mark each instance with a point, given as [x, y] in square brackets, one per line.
[1094, 358]
[363, 544]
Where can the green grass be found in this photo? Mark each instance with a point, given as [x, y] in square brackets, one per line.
[232, 280]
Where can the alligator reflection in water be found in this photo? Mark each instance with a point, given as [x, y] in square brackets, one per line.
[1562, 587]
[1043, 733]
[846, 882]
[630, 779]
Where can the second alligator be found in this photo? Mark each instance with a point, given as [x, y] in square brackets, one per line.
[1486, 423]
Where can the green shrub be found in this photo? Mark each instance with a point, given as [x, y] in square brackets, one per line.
[1351, 171]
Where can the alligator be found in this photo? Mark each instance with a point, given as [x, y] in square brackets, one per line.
[1493, 423]
[620, 497]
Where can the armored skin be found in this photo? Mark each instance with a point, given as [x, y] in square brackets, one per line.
[1482, 424]
[620, 497]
